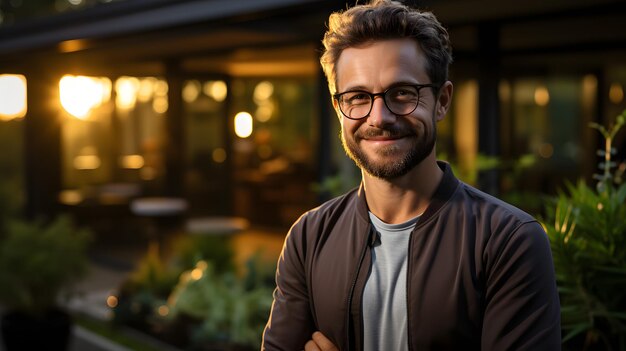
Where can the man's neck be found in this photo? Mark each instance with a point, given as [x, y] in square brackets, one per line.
[398, 200]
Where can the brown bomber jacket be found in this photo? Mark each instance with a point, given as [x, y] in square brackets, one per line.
[480, 276]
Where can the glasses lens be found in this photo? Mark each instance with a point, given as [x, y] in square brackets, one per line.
[402, 100]
[355, 104]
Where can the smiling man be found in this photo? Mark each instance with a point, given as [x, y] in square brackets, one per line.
[413, 259]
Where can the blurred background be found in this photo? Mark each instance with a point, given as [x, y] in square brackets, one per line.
[153, 123]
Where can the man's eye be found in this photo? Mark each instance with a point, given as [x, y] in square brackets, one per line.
[404, 94]
[357, 98]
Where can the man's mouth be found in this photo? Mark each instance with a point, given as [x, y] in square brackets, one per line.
[380, 135]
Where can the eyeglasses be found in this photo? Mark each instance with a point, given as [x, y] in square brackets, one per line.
[401, 100]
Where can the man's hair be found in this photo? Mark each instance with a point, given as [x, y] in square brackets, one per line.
[384, 20]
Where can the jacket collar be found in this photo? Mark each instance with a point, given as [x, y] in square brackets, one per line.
[444, 192]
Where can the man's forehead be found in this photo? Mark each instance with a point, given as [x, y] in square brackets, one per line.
[380, 62]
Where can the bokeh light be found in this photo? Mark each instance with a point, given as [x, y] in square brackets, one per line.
[80, 94]
[12, 96]
[243, 124]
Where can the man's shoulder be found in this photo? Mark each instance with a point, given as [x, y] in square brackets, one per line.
[492, 206]
[333, 207]
[498, 223]
[336, 215]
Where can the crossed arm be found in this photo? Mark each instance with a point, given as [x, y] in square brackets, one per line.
[319, 342]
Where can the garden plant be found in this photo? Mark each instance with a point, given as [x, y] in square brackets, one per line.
[587, 232]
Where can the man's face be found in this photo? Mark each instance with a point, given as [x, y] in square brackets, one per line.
[383, 144]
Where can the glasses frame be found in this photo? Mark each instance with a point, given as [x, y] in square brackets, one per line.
[383, 94]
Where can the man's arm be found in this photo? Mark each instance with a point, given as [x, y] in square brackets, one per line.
[522, 309]
[290, 323]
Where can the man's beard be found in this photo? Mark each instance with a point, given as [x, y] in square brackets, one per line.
[397, 165]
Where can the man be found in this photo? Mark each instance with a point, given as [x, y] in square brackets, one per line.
[413, 259]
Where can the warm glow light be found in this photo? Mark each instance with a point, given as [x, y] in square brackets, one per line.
[85, 162]
[263, 91]
[216, 90]
[161, 88]
[466, 119]
[72, 45]
[146, 89]
[163, 310]
[160, 104]
[264, 111]
[127, 89]
[112, 301]
[219, 155]
[79, 94]
[107, 86]
[542, 96]
[616, 93]
[243, 124]
[191, 91]
[590, 79]
[132, 161]
[196, 274]
[202, 264]
[12, 96]
[70, 197]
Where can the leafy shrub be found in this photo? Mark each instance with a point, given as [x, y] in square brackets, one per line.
[37, 261]
[228, 311]
[587, 233]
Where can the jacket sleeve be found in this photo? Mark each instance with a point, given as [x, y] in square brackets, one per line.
[290, 323]
[522, 310]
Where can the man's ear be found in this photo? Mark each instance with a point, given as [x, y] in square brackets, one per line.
[336, 107]
[444, 99]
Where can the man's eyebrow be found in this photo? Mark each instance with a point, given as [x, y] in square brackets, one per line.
[392, 85]
[355, 88]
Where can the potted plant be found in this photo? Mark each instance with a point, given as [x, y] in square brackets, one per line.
[37, 263]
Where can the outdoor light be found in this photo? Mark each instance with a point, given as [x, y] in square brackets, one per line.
[146, 89]
[160, 88]
[112, 301]
[127, 89]
[12, 96]
[191, 91]
[160, 104]
[215, 89]
[85, 162]
[196, 274]
[263, 91]
[132, 161]
[163, 310]
[542, 96]
[243, 124]
[79, 94]
[264, 111]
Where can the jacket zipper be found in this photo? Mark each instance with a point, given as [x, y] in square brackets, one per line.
[408, 286]
[356, 276]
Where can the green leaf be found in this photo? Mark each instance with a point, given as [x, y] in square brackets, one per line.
[576, 330]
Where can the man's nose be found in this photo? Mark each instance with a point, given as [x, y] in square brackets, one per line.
[380, 114]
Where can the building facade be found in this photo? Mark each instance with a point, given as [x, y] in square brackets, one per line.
[223, 103]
